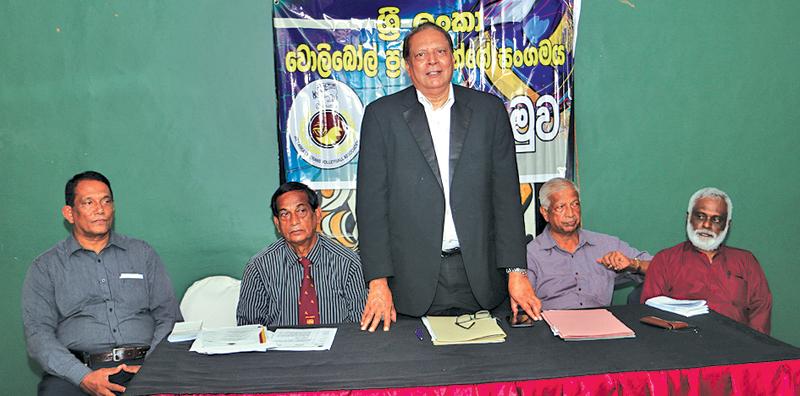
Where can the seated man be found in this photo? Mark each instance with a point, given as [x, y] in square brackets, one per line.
[570, 267]
[729, 279]
[281, 283]
[95, 302]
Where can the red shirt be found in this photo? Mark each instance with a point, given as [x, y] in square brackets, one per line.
[733, 283]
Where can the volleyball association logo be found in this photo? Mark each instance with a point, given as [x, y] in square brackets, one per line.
[324, 123]
[328, 128]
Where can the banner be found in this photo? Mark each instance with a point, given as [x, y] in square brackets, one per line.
[335, 57]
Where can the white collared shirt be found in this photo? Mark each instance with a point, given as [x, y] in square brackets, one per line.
[439, 125]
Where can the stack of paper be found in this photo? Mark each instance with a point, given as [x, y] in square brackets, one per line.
[681, 307]
[589, 324]
[185, 331]
[256, 338]
[251, 338]
[445, 331]
[313, 339]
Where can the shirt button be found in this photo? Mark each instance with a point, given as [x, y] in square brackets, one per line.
[115, 330]
[578, 303]
[579, 289]
[111, 310]
[102, 280]
[99, 261]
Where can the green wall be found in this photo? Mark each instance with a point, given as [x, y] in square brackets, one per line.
[175, 102]
[672, 96]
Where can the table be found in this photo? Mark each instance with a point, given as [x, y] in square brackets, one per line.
[722, 357]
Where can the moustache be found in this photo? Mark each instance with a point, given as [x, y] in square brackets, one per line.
[702, 233]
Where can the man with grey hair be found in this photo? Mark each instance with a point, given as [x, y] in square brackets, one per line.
[570, 267]
[729, 279]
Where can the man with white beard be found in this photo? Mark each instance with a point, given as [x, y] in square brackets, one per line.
[729, 279]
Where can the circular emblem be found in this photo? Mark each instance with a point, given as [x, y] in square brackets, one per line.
[328, 128]
[324, 122]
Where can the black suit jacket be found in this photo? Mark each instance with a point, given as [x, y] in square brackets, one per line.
[400, 199]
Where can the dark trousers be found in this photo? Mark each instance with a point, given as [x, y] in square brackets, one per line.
[453, 292]
[56, 386]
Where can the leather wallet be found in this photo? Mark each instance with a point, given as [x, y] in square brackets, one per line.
[663, 323]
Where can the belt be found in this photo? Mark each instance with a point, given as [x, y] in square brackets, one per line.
[451, 252]
[115, 355]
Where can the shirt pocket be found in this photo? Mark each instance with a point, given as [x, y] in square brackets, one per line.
[553, 281]
[332, 297]
[737, 287]
[340, 306]
[79, 290]
[132, 293]
[73, 300]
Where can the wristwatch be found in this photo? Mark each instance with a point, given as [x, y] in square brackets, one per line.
[523, 271]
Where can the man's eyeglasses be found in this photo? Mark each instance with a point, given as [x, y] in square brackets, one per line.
[466, 321]
[702, 217]
[561, 208]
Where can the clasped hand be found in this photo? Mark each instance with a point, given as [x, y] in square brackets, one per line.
[97, 383]
[615, 261]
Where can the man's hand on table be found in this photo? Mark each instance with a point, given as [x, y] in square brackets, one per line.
[379, 306]
[97, 383]
[522, 296]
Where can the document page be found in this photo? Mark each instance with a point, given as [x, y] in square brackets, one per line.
[250, 338]
[315, 339]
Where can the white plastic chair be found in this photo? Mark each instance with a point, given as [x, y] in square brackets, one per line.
[213, 300]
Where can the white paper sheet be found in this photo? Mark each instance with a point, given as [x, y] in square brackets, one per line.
[185, 331]
[315, 339]
[230, 340]
[687, 308]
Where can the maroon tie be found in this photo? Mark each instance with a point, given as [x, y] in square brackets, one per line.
[308, 311]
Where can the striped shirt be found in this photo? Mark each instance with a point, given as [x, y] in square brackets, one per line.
[272, 278]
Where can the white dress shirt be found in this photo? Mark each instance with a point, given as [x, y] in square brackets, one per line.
[439, 125]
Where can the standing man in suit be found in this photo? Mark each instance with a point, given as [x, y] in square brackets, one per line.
[438, 206]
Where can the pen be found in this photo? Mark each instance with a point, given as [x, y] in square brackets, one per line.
[418, 333]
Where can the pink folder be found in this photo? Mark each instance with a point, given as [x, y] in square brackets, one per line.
[586, 324]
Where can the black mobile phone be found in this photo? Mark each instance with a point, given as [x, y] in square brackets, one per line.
[522, 320]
